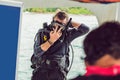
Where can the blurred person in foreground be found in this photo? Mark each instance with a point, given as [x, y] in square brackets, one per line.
[50, 60]
[102, 49]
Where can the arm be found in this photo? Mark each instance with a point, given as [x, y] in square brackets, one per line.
[75, 24]
[54, 36]
[45, 46]
[79, 30]
[40, 49]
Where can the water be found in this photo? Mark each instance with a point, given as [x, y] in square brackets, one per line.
[31, 22]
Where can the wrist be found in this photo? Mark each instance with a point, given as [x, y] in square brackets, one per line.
[50, 42]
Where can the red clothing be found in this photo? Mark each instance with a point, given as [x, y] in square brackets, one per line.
[110, 71]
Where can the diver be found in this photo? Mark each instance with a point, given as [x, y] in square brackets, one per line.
[50, 59]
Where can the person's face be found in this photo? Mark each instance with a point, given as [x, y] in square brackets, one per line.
[59, 23]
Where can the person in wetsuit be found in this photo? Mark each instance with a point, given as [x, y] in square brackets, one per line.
[51, 48]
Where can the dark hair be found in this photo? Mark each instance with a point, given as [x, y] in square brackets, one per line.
[61, 15]
[103, 40]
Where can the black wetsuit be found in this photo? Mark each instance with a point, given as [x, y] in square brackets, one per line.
[55, 60]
